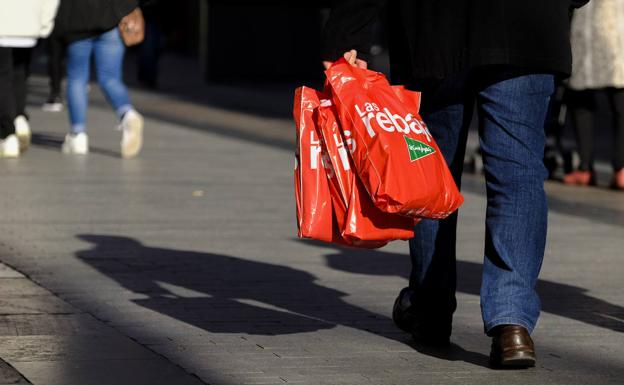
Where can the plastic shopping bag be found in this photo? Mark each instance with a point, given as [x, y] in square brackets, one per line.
[362, 223]
[395, 156]
[314, 206]
[410, 98]
[332, 205]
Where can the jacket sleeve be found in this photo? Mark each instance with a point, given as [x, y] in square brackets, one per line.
[350, 26]
[578, 3]
[48, 13]
[123, 7]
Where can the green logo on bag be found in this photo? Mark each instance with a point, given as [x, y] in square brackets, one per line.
[418, 149]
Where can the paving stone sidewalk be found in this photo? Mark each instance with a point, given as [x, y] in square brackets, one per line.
[182, 267]
[51, 342]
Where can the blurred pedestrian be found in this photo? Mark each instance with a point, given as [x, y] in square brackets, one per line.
[598, 49]
[503, 56]
[150, 49]
[91, 28]
[22, 22]
[55, 48]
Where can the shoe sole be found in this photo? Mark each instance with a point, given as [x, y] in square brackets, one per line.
[12, 150]
[67, 150]
[513, 362]
[70, 152]
[10, 155]
[52, 108]
[133, 147]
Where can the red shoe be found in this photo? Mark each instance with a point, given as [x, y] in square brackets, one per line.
[618, 180]
[580, 178]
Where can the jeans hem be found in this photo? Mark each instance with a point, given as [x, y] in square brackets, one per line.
[78, 128]
[121, 111]
[509, 321]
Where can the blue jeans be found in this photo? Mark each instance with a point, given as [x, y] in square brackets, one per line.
[108, 51]
[512, 108]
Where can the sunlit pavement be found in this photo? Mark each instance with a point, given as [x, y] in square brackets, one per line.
[182, 267]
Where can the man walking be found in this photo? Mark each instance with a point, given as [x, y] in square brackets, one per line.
[502, 56]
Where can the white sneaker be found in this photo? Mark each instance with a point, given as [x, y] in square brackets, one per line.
[10, 147]
[53, 104]
[22, 130]
[132, 134]
[76, 144]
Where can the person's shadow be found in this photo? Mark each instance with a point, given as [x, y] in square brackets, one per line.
[563, 300]
[225, 294]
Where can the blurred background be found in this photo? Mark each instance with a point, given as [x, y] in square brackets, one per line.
[250, 55]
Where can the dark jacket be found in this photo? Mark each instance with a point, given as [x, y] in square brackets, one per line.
[432, 39]
[80, 19]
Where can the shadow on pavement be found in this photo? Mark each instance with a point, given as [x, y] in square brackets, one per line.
[54, 142]
[224, 294]
[452, 353]
[563, 300]
[589, 211]
[218, 293]
[577, 207]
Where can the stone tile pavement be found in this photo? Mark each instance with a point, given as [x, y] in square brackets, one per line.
[182, 267]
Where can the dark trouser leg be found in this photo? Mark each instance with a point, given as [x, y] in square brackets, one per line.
[432, 250]
[21, 68]
[616, 97]
[582, 106]
[7, 101]
[56, 53]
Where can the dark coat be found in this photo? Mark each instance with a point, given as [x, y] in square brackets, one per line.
[80, 19]
[432, 39]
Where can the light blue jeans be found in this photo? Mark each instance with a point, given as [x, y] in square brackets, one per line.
[108, 52]
[512, 108]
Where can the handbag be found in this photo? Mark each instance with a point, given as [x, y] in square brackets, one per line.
[132, 28]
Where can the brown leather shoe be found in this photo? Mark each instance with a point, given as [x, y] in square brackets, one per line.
[512, 347]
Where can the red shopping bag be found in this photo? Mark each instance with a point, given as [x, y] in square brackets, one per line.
[411, 98]
[314, 205]
[395, 155]
[362, 223]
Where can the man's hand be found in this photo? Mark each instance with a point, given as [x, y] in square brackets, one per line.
[351, 57]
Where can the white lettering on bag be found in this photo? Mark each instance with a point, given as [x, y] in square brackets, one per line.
[390, 122]
[315, 150]
[342, 152]
[367, 115]
[385, 122]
